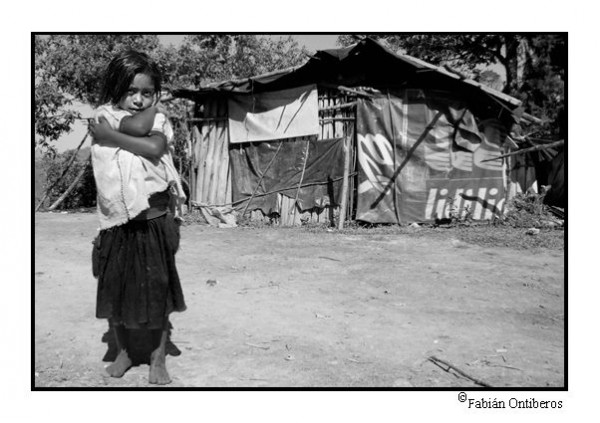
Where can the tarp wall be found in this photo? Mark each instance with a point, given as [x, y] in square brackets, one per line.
[323, 165]
[421, 155]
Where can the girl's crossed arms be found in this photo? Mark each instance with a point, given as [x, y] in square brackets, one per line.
[135, 134]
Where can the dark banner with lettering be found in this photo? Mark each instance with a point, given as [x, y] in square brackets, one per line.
[422, 157]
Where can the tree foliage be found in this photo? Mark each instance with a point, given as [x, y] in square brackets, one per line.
[78, 61]
[51, 113]
[202, 59]
[69, 67]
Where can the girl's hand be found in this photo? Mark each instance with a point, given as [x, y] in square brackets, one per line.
[101, 131]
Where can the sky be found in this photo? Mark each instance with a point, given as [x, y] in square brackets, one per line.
[71, 140]
[312, 42]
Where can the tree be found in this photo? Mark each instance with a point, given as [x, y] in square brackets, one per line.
[542, 83]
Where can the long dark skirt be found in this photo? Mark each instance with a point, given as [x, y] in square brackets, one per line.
[138, 284]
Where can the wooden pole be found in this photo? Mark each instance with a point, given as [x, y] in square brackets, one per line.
[527, 150]
[192, 185]
[345, 181]
[394, 193]
[350, 132]
[437, 362]
[202, 149]
[71, 187]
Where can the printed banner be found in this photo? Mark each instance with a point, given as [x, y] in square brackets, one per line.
[274, 115]
[422, 157]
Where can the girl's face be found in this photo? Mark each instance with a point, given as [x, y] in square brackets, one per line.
[140, 95]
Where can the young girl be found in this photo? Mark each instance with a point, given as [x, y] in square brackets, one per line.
[139, 200]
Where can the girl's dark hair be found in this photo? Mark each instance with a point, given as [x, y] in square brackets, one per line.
[120, 73]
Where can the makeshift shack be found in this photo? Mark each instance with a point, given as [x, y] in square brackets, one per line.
[420, 142]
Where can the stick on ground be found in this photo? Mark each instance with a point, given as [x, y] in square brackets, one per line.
[449, 366]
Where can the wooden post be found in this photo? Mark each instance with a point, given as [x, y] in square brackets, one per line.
[345, 181]
[200, 163]
[394, 193]
[528, 150]
[191, 140]
[209, 164]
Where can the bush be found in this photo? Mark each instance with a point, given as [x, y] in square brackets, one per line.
[84, 193]
[528, 211]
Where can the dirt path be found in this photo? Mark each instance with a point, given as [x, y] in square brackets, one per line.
[295, 308]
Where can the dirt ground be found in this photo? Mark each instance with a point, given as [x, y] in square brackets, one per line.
[302, 308]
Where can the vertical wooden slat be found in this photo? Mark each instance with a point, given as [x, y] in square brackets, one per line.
[194, 138]
[321, 134]
[344, 205]
[224, 157]
[282, 210]
[328, 123]
[218, 186]
[339, 126]
[217, 163]
[213, 163]
[350, 133]
[190, 163]
[201, 162]
[290, 213]
[322, 123]
[228, 193]
[208, 161]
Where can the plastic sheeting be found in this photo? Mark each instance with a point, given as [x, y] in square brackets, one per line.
[273, 115]
[421, 158]
[278, 166]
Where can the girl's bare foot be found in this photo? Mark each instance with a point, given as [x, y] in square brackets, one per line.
[121, 364]
[158, 369]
